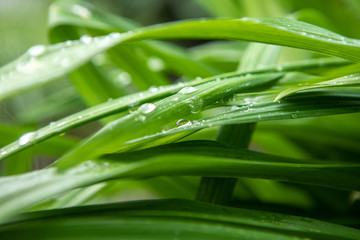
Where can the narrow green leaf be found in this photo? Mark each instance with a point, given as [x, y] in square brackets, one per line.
[41, 64]
[181, 219]
[194, 158]
[151, 117]
[347, 75]
[106, 109]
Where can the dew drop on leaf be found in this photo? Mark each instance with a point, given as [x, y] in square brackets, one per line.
[187, 90]
[30, 66]
[183, 123]
[153, 89]
[115, 35]
[60, 124]
[27, 138]
[68, 43]
[196, 105]
[147, 108]
[294, 116]
[142, 118]
[86, 39]
[36, 50]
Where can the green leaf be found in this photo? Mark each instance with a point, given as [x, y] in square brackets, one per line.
[41, 64]
[162, 219]
[150, 118]
[109, 108]
[193, 158]
[342, 76]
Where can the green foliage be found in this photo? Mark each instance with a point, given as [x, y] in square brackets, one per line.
[146, 119]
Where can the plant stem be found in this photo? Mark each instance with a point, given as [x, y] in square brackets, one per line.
[219, 190]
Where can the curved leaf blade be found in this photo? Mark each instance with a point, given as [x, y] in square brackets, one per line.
[179, 216]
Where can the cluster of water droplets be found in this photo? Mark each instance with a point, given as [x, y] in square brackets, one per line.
[31, 62]
[349, 79]
[195, 103]
[187, 90]
[60, 55]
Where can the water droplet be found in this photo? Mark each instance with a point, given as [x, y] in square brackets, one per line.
[187, 90]
[86, 39]
[234, 107]
[183, 123]
[249, 109]
[36, 50]
[304, 33]
[80, 117]
[155, 64]
[60, 124]
[27, 138]
[124, 78]
[30, 66]
[196, 105]
[294, 115]
[247, 100]
[115, 35]
[68, 43]
[281, 28]
[89, 164]
[3, 152]
[175, 99]
[153, 89]
[147, 108]
[142, 118]
[81, 11]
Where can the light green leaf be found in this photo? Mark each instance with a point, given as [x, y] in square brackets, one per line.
[40, 64]
[347, 75]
